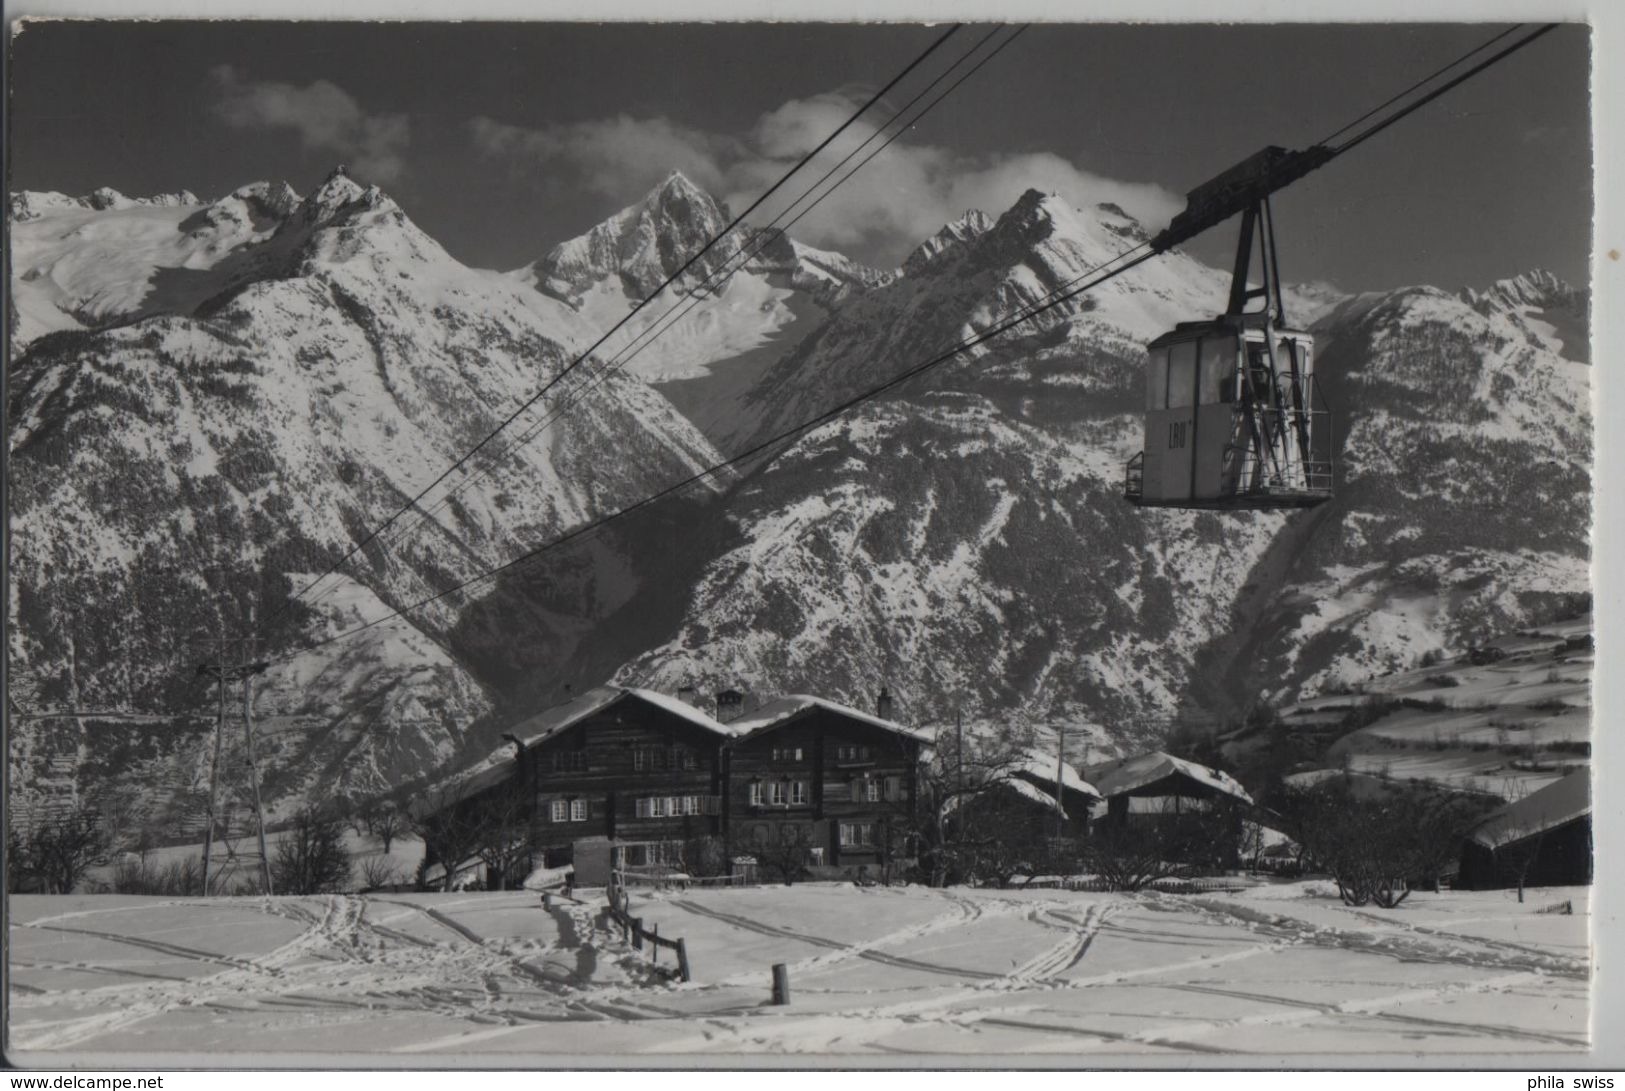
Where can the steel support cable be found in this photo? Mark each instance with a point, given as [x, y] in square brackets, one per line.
[697, 296]
[1380, 107]
[757, 449]
[701, 252]
[1373, 130]
[1055, 299]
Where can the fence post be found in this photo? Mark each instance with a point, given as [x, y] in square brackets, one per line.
[781, 983]
[682, 960]
[654, 944]
[637, 933]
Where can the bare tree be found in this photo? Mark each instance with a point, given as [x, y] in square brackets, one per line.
[387, 824]
[450, 834]
[311, 858]
[501, 832]
[1375, 845]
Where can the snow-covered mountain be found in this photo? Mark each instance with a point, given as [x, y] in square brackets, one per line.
[207, 455]
[217, 400]
[745, 301]
[964, 541]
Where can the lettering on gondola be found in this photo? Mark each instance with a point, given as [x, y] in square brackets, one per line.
[1178, 433]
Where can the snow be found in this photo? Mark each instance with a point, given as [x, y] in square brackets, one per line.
[1118, 777]
[1279, 968]
[784, 708]
[549, 722]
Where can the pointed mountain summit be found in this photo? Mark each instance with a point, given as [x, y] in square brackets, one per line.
[641, 245]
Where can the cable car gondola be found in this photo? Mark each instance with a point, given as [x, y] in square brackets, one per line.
[1233, 417]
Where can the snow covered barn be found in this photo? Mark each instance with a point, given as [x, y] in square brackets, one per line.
[1026, 793]
[1543, 839]
[840, 783]
[1158, 783]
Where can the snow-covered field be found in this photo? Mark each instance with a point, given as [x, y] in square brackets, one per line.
[1278, 969]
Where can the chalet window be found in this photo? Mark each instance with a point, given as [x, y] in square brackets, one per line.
[777, 790]
[871, 790]
[798, 792]
[815, 856]
[691, 804]
[894, 789]
[657, 807]
[638, 759]
[578, 810]
[755, 793]
[857, 834]
[560, 811]
[640, 808]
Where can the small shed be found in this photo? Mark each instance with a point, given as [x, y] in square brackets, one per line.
[1543, 839]
[1160, 783]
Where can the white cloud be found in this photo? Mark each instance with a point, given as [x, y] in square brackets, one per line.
[901, 196]
[326, 117]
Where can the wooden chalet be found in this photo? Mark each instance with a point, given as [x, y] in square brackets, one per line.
[629, 771]
[840, 783]
[1543, 839]
[1158, 783]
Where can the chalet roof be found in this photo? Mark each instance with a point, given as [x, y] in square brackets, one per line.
[1020, 787]
[1555, 805]
[550, 721]
[1127, 775]
[1033, 763]
[781, 709]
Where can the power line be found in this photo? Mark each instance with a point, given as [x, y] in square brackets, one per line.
[697, 296]
[1055, 298]
[551, 383]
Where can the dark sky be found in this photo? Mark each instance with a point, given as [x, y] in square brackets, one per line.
[1490, 180]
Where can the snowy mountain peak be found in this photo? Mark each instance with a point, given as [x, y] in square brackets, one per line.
[31, 204]
[1536, 288]
[951, 238]
[642, 245]
[338, 190]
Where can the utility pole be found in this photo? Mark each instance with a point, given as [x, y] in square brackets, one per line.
[223, 676]
[214, 760]
[1060, 784]
[249, 669]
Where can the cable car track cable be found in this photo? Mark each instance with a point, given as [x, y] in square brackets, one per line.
[551, 383]
[1053, 300]
[697, 296]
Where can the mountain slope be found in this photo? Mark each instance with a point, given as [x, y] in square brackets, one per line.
[963, 539]
[216, 460]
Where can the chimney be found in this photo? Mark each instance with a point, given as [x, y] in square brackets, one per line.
[730, 704]
[883, 704]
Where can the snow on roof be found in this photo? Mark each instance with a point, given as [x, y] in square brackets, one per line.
[1558, 803]
[1034, 764]
[784, 708]
[1130, 774]
[551, 721]
[1020, 787]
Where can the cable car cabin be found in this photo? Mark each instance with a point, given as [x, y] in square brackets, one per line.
[1229, 421]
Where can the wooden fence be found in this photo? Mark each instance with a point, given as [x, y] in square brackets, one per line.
[633, 932]
[677, 879]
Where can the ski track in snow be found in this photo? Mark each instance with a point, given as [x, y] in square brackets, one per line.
[496, 972]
